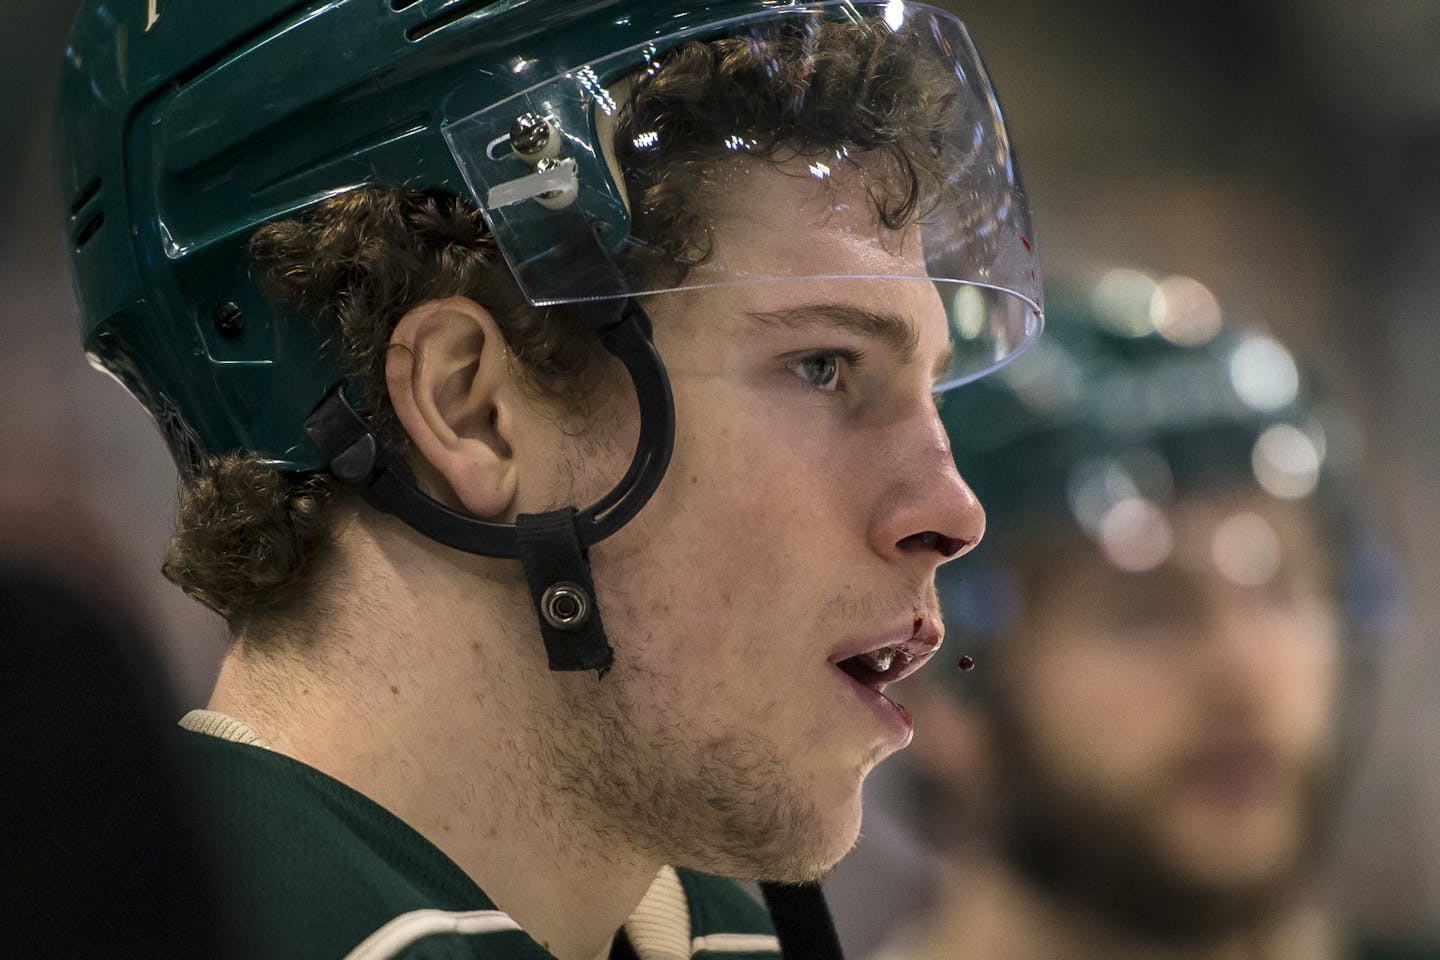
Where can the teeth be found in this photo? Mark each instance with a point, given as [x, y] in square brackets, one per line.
[879, 660]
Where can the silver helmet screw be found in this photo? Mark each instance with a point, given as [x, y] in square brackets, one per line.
[565, 606]
[534, 138]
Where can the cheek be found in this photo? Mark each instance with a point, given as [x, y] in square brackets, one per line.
[723, 567]
[1302, 675]
[753, 485]
[728, 582]
[1109, 719]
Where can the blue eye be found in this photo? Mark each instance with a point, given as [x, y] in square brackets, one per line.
[829, 370]
[820, 370]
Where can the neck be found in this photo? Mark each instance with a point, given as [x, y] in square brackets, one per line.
[987, 911]
[446, 723]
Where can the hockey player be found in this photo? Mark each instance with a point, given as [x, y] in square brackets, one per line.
[552, 385]
[1143, 761]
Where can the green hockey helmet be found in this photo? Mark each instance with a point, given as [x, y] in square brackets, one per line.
[184, 127]
[1114, 417]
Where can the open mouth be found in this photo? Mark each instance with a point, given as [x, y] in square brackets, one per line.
[884, 664]
[1234, 774]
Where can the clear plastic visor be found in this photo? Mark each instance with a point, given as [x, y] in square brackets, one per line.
[866, 144]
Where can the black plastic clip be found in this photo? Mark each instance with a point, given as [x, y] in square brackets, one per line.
[558, 572]
[343, 437]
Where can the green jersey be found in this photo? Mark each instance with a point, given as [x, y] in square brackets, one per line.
[317, 870]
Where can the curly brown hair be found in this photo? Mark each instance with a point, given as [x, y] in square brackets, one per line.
[806, 88]
[247, 534]
[248, 538]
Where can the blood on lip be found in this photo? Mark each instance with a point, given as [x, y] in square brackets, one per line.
[924, 640]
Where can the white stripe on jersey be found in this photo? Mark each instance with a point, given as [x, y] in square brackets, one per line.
[736, 943]
[407, 928]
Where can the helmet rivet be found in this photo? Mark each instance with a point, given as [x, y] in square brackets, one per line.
[556, 199]
[229, 320]
[565, 606]
[533, 138]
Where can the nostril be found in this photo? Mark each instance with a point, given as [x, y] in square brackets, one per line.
[950, 546]
[931, 540]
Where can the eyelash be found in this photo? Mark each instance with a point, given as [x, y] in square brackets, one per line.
[848, 362]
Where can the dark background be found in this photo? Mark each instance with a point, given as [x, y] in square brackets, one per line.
[1281, 151]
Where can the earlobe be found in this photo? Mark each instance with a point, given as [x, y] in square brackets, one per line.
[449, 380]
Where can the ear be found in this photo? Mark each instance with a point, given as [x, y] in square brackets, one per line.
[451, 386]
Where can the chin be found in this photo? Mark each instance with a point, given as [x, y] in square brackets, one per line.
[837, 830]
[808, 863]
[1258, 867]
[1242, 853]
[840, 838]
[819, 838]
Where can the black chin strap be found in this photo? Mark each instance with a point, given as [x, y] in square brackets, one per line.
[553, 547]
[802, 921]
[557, 568]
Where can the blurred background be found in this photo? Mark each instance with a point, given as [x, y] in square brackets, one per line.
[1281, 152]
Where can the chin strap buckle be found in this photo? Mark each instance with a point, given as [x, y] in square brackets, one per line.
[343, 438]
[557, 569]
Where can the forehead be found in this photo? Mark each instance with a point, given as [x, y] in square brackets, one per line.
[784, 242]
[805, 217]
[1208, 533]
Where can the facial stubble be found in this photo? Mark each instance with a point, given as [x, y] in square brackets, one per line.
[1103, 857]
[723, 802]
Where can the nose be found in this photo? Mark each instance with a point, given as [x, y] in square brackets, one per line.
[927, 512]
[1237, 661]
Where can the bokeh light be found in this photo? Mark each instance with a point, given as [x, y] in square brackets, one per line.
[1264, 374]
[1185, 312]
[1286, 461]
[1136, 536]
[1094, 487]
[1245, 549]
[967, 312]
[1122, 301]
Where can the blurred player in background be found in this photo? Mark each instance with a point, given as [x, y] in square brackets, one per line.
[1175, 600]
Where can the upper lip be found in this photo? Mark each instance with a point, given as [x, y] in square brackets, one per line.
[918, 641]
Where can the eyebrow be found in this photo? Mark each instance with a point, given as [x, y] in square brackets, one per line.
[890, 329]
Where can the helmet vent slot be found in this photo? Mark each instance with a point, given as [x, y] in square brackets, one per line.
[87, 230]
[86, 214]
[454, 13]
[92, 189]
[398, 5]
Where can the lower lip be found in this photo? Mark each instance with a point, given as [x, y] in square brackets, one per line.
[892, 714]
